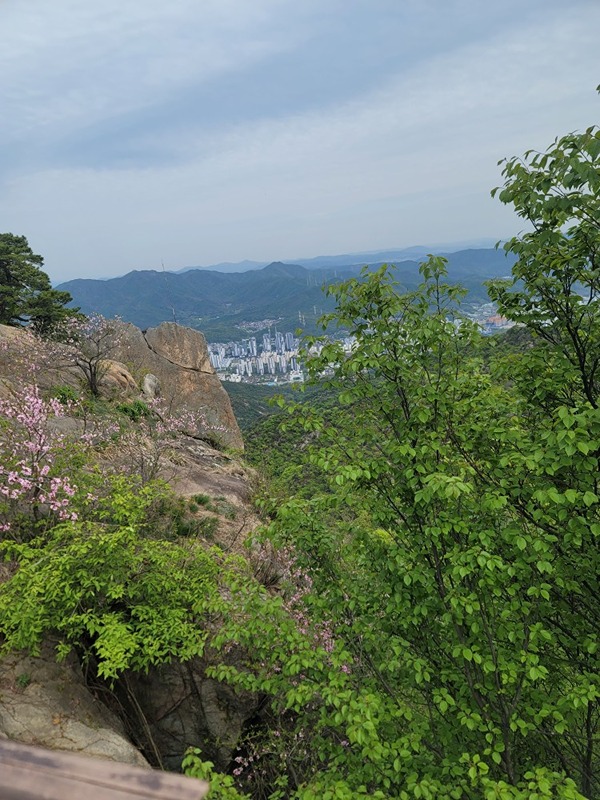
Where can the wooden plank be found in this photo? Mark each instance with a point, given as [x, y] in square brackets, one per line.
[36, 773]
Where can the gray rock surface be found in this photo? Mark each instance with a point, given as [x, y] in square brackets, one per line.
[150, 386]
[177, 707]
[178, 358]
[46, 703]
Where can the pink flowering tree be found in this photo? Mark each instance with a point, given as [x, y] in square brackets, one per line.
[32, 490]
[87, 344]
[81, 344]
[154, 432]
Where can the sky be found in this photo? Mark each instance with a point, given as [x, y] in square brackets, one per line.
[144, 134]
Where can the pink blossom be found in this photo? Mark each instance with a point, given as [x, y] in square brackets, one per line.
[28, 453]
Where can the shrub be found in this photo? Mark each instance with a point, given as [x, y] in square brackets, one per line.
[66, 395]
[135, 410]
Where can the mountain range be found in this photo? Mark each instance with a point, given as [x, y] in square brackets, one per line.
[228, 305]
[356, 259]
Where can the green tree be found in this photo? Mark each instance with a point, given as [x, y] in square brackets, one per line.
[456, 551]
[26, 295]
[555, 290]
[456, 554]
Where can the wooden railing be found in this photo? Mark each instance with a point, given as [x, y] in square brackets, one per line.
[35, 773]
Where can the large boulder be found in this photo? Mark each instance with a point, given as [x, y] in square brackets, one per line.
[178, 358]
[46, 703]
[176, 706]
[117, 381]
[26, 359]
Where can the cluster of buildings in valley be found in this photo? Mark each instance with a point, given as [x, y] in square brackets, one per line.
[265, 359]
[273, 358]
[488, 319]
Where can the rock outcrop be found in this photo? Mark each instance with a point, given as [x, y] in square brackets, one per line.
[175, 705]
[24, 359]
[178, 358]
[46, 703]
[169, 361]
[118, 381]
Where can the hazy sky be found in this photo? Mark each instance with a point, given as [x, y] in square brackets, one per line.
[188, 132]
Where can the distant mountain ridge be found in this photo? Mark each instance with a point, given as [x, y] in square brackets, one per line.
[361, 258]
[228, 305]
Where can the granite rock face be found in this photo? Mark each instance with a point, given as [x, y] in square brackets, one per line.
[176, 706]
[178, 358]
[46, 703]
[170, 362]
[118, 381]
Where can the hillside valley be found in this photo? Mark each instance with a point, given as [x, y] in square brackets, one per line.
[392, 592]
[220, 304]
[141, 466]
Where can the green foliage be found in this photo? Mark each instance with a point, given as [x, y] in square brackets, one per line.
[224, 508]
[26, 295]
[278, 445]
[555, 287]
[252, 403]
[101, 585]
[135, 409]
[202, 499]
[455, 552]
[218, 505]
[222, 787]
[170, 517]
[23, 680]
[66, 395]
[128, 582]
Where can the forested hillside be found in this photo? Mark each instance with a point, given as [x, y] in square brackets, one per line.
[445, 512]
[418, 614]
[219, 304]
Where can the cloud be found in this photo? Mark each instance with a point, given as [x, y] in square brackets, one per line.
[465, 103]
[70, 66]
[276, 158]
